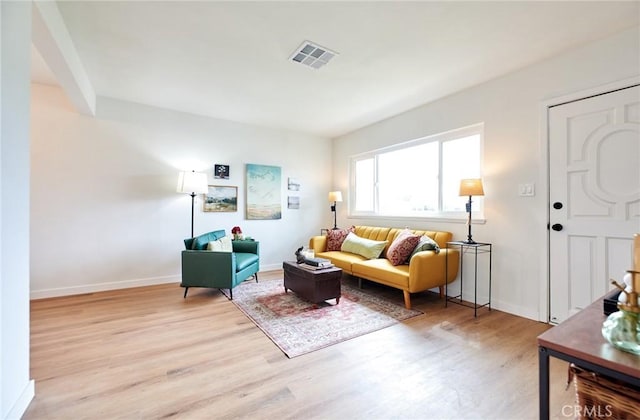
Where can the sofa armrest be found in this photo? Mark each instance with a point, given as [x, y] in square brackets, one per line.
[427, 269]
[318, 243]
[248, 247]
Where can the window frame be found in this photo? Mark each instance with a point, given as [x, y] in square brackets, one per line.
[440, 215]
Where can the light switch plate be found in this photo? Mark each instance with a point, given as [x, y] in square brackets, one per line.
[526, 190]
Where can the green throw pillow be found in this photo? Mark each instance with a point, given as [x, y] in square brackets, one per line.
[367, 248]
[425, 244]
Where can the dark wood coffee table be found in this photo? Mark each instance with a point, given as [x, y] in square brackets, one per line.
[312, 285]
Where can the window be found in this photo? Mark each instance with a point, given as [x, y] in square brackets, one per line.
[419, 178]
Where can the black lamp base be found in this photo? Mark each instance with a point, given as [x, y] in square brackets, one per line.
[469, 238]
[193, 197]
[335, 216]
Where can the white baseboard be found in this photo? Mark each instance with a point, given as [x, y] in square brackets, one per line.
[23, 401]
[516, 310]
[270, 267]
[126, 284]
[497, 304]
[101, 287]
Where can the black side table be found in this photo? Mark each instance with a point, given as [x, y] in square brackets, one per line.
[476, 248]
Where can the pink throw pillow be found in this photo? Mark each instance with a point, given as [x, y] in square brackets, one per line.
[402, 247]
[336, 237]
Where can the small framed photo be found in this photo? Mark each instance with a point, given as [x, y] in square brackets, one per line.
[294, 184]
[221, 198]
[221, 171]
[293, 202]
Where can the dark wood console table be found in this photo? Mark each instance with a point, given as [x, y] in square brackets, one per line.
[579, 340]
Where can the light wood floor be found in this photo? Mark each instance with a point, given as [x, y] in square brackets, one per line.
[148, 353]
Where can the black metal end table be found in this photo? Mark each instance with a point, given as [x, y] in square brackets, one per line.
[476, 248]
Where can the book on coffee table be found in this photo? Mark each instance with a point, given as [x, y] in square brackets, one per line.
[315, 267]
[318, 262]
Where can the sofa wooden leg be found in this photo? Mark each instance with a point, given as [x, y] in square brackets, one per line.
[441, 291]
[407, 299]
[186, 289]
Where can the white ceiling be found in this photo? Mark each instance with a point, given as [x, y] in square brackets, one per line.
[229, 60]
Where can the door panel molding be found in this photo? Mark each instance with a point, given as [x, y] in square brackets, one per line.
[544, 107]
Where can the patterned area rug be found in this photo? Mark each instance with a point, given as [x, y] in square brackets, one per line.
[298, 327]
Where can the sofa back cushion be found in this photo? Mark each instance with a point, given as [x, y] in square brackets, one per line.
[201, 242]
[441, 237]
[373, 232]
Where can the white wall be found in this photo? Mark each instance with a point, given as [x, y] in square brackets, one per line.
[514, 153]
[104, 211]
[16, 390]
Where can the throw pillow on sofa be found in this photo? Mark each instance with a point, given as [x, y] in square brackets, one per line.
[367, 248]
[402, 247]
[426, 244]
[336, 237]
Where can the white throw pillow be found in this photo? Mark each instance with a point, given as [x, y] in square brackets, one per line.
[221, 245]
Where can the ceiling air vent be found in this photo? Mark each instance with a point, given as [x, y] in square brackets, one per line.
[312, 55]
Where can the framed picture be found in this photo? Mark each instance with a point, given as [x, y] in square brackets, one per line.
[264, 200]
[221, 198]
[293, 202]
[221, 171]
[294, 184]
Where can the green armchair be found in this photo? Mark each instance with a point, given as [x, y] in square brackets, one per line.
[216, 269]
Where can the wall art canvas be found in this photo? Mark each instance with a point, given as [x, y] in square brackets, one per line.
[221, 198]
[221, 171]
[264, 200]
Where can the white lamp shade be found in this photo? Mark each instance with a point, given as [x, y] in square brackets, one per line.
[192, 182]
[335, 196]
[471, 186]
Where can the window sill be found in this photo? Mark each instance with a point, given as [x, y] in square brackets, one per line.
[439, 219]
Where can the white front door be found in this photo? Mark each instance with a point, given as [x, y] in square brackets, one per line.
[594, 196]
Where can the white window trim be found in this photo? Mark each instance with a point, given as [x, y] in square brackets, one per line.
[477, 215]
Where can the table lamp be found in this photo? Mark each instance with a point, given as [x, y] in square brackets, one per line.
[471, 187]
[334, 197]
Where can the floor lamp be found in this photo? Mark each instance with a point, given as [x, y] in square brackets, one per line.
[470, 187]
[192, 183]
[334, 197]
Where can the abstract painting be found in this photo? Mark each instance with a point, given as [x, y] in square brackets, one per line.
[263, 192]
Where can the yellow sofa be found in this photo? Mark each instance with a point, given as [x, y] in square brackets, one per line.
[426, 269]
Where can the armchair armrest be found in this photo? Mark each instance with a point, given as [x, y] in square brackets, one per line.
[249, 247]
[204, 267]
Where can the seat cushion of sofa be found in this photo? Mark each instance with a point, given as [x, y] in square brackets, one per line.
[382, 271]
[341, 259]
[244, 260]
